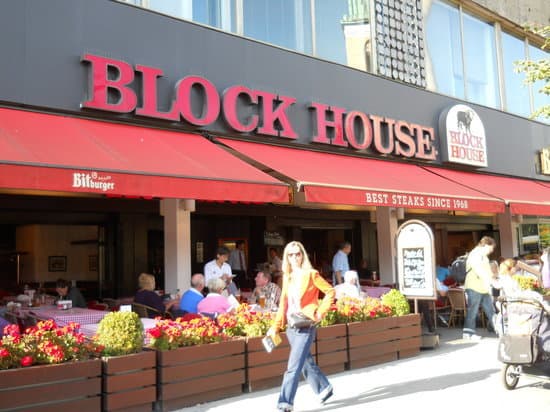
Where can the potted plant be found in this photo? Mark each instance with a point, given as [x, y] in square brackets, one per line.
[32, 364]
[129, 373]
[196, 362]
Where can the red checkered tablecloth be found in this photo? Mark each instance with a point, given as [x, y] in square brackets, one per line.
[81, 316]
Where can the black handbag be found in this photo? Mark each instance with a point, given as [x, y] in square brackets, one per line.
[299, 321]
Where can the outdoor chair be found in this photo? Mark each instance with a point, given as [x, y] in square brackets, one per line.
[145, 311]
[457, 300]
[442, 309]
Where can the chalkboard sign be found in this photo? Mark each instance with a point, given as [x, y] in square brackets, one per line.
[416, 260]
[414, 274]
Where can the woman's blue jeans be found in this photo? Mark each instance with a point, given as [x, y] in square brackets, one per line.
[300, 361]
[474, 300]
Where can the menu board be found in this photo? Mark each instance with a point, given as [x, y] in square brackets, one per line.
[416, 260]
[414, 267]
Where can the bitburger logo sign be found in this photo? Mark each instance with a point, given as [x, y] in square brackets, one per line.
[465, 136]
[93, 181]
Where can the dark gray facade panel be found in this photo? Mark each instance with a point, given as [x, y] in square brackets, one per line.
[42, 43]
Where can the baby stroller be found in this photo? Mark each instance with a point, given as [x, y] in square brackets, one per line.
[524, 345]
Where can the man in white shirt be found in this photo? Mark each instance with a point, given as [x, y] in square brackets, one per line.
[218, 268]
[237, 259]
[350, 287]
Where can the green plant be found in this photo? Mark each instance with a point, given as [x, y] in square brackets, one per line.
[397, 302]
[120, 333]
[45, 343]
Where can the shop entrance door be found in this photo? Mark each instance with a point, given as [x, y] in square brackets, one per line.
[322, 244]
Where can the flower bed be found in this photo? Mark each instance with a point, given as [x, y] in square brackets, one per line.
[35, 362]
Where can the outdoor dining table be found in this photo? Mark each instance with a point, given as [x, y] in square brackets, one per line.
[63, 317]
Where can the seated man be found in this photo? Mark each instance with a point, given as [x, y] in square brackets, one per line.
[350, 287]
[192, 297]
[67, 292]
[265, 287]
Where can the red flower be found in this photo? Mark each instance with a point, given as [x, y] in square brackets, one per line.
[26, 361]
[155, 332]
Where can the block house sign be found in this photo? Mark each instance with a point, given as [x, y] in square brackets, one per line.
[119, 87]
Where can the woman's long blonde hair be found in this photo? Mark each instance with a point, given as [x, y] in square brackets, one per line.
[507, 267]
[306, 264]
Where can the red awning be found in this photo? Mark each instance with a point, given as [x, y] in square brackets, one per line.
[68, 154]
[525, 197]
[339, 179]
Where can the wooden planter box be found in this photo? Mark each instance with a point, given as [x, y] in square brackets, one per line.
[129, 382]
[265, 370]
[383, 340]
[410, 335]
[193, 374]
[74, 386]
[332, 348]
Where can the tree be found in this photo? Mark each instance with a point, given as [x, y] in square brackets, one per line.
[538, 70]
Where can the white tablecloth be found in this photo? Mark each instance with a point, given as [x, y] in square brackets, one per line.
[374, 291]
[61, 317]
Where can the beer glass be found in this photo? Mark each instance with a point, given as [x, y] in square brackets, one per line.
[261, 300]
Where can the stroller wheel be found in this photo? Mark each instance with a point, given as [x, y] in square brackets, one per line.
[510, 376]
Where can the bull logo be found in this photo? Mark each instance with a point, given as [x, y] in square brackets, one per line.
[464, 119]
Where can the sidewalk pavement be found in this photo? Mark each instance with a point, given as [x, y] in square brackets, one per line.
[458, 375]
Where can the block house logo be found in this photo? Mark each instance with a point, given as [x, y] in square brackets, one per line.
[465, 136]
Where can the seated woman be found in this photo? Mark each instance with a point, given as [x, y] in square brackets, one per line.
[146, 295]
[67, 292]
[215, 302]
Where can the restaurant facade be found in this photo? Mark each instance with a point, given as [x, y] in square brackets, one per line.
[131, 141]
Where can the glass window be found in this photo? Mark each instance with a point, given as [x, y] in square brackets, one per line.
[539, 98]
[329, 33]
[517, 92]
[215, 13]
[481, 62]
[445, 49]
[285, 23]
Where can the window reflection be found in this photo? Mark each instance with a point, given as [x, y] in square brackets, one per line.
[329, 34]
[215, 13]
[539, 98]
[517, 92]
[445, 49]
[286, 23]
[481, 67]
